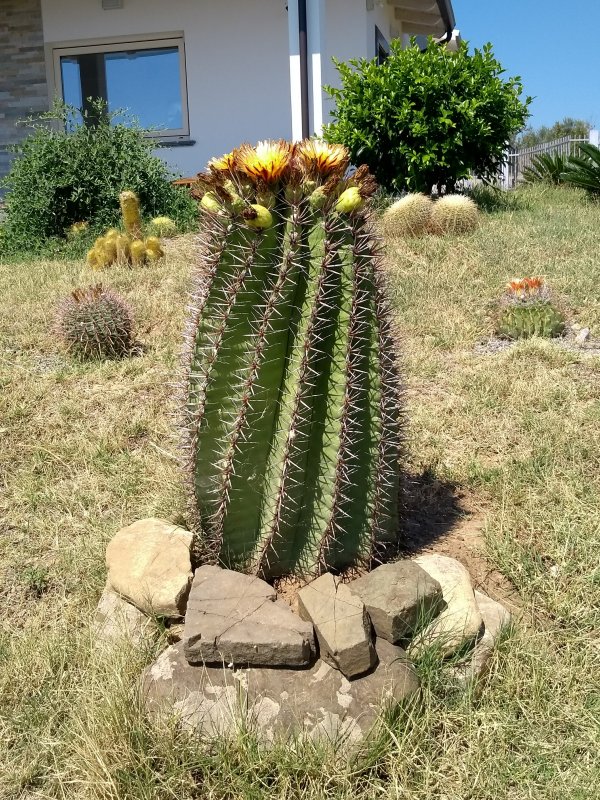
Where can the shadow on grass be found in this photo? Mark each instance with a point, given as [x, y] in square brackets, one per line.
[431, 508]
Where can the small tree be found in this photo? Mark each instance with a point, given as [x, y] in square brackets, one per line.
[426, 119]
[575, 128]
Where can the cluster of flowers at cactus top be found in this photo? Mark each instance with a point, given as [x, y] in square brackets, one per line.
[527, 290]
[246, 182]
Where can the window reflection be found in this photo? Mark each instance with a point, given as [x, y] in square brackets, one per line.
[146, 83]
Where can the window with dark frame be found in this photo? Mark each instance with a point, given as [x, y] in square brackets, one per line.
[382, 48]
[145, 79]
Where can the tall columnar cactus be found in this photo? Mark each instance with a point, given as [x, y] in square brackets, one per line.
[291, 418]
[130, 209]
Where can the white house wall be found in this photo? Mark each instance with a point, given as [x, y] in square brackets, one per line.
[237, 63]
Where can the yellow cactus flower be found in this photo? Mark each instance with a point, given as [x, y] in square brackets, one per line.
[226, 163]
[268, 161]
[317, 157]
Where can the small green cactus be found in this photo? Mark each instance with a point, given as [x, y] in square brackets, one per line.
[527, 310]
[163, 227]
[408, 216]
[523, 321]
[453, 213]
[95, 323]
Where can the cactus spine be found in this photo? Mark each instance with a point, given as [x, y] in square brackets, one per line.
[291, 403]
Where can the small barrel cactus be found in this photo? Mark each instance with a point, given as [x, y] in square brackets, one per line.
[527, 310]
[95, 323]
[408, 216]
[291, 400]
[453, 213]
[163, 227]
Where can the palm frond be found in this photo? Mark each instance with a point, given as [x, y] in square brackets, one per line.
[584, 170]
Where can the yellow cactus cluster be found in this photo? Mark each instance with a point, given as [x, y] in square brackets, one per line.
[119, 248]
[129, 248]
[246, 182]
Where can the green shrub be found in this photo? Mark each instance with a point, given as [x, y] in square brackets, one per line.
[427, 119]
[584, 170]
[492, 200]
[546, 168]
[67, 173]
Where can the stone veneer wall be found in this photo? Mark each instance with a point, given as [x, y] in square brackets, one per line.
[23, 87]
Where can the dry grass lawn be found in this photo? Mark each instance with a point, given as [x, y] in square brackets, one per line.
[512, 438]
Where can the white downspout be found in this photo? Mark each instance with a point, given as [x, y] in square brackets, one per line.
[316, 46]
[295, 76]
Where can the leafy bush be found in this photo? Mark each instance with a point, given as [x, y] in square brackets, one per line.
[427, 119]
[584, 171]
[546, 168]
[68, 173]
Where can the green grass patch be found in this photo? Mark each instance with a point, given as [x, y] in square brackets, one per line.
[87, 448]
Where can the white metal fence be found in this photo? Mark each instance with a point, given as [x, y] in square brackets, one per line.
[520, 158]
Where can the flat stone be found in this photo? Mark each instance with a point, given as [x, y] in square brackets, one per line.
[398, 598]
[318, 703]
[495, 619]
[582, 336]
[149, 564]
[236, 618]
[460, 623]
[341, 623]
[118, 621]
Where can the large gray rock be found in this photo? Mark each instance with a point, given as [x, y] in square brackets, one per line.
[116, 621]
[236, 618]
[315, 703]
[495, 619]
[341, 623]
[149, 564]
[460, 623]
[398, 597]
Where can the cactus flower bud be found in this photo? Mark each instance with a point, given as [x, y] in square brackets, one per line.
[210, 203]
[349, 201]
[257, 216]
[318, 198]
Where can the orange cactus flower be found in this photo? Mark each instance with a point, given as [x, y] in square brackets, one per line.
[318, 158]
[525, 286]
[268, 161]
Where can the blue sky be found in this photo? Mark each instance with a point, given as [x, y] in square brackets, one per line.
[552, 44]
